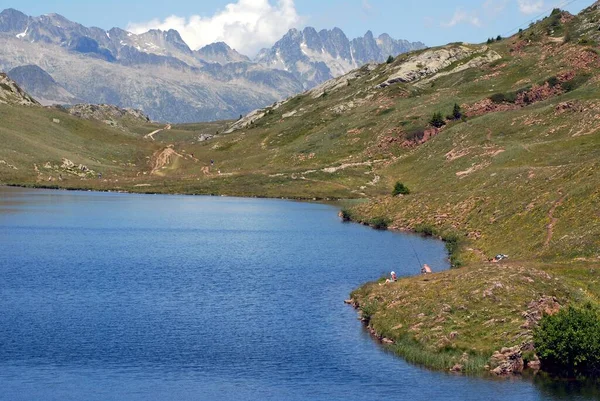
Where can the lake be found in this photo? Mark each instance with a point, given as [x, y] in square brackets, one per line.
[108, 296]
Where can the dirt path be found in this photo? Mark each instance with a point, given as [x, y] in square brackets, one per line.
[553, 220]
[151, 135]
[163, 158]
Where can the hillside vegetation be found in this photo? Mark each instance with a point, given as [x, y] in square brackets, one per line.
[513, 170]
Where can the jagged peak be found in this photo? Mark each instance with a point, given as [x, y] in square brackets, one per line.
[12, 11]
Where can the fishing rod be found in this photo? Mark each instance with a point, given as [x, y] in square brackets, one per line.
[415, 251]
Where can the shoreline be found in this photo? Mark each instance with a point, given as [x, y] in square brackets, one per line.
[455, 361]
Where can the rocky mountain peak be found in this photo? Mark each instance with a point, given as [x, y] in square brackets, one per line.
[315, 57]
[221, 53]
[12, 20]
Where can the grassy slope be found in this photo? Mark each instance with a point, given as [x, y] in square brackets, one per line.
[527, 184]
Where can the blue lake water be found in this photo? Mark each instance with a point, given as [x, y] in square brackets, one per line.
[146, 297]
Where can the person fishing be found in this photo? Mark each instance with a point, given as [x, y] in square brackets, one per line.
[393, 278]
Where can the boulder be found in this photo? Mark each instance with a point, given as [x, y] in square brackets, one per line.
[508, 361]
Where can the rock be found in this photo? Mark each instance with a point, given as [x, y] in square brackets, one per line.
[56, 121]
[457, 368]
[453, 335]
[385, 340]
[430, 62]
[67, 164]
[106, 113]
[535, 364]
[508, 361]
[546, 305]
[290, 114]
[11, 93]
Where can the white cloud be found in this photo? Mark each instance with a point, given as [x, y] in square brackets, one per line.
[531, 6]
[462, 17]
[247, 25]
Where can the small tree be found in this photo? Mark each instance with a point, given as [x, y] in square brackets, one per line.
[400, 189]
[490, 41]
[499, 38]
[568, 343]
[437, 120]
[456, 112]
[390, 59]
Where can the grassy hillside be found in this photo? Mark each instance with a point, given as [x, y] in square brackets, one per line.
[518, 173]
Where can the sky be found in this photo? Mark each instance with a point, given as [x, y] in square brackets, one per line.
[249, 25]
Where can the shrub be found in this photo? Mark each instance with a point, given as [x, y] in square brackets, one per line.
[415, 135]
[498, 98]
[499, 38]
[380, 223]
[452, 242]
[425, 229]
[568, 343]
[490, 41]
[400, 189]
[509, 97]
[575, 83]
[553, 81]
[345, 214]
[437, 120]
[585, 41]
[390, 59]
[456, 112]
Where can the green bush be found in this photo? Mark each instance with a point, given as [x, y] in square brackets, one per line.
[585, 41]
[380, 223]
[400, 189]
[498, 98]
[456, 112]
[553, 81]
[415, 135]
[345, 214]
[390, 60]
[509, 97]
[568, 343]
[437, 120]
[452, 242]
[425, 229]
[575, 83]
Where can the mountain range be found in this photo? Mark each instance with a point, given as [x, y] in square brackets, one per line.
[60, 61]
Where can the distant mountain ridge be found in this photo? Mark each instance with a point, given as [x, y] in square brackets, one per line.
[47, 91]
[315, 57]
[158, 72]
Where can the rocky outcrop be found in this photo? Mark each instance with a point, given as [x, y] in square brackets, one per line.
[11, 93]
[508, 361]
[546, 305]
[337, 83]
[431, 62]
[106, 113]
